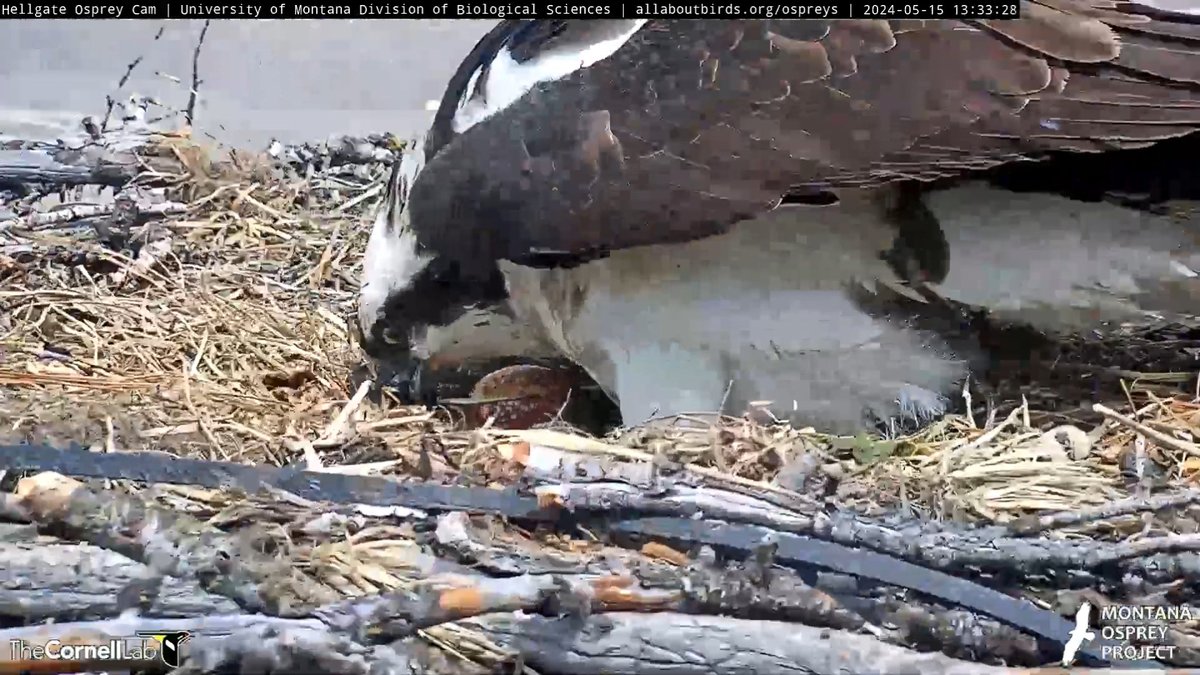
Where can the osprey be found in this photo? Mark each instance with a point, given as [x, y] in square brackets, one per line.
[796, 215]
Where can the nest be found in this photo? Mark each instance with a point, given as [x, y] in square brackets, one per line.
[221, 331]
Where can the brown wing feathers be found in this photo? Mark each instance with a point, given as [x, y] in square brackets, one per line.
[1062, 30]
[717, 120]
[1116, 80]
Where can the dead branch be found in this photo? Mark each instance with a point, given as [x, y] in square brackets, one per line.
[306, 650]
[302, 649]
[14, 172]
[678, 644]
[676, 500]
[944, 548]
[190, 111]
[1159, 437]
[82, 582]
[958, 634]
[452, 599]
[339, 151]
[167, 543]
[756, 589]
[547, 464]
[747, 540]
[947, 548]
[44, 579]
[459, 539]
[110, 100]
[797, 551]
[75, 212]
[1033, 524]
[112, 161]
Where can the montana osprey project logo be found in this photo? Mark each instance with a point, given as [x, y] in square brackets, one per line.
[1080, 634]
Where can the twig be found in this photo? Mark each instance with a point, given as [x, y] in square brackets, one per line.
[205, 428]
[299, 649]
[428, 605]
[338, 430]
[82, 211]
[342, 151]
[676, 644]
[804, 551]
[1028, 525]
[57, 580]
[105, 174]
[168, 543]
[569, 443]
[1158, 436]
[190, 112]
[937, 546]
[109, 100]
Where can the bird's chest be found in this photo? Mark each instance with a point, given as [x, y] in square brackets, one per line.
[772, 285]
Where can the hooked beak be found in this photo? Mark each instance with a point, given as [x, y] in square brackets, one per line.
[398, 372]
[403, 378]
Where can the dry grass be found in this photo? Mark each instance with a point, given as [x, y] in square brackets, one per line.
[228, 339]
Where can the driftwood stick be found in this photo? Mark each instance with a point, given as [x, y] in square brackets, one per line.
[407, 611]
[110, 100]
[801, 552]
[113, 161]
[295, 649]
[959, 634]
[678, 500]
[946, 548]
[81, 211]
[467, 541]
[1149, 432]
[677, 644]
[340, 151]
[952, 551]
[766, 593]
[758, 589]
[190, 112]
[1033, 524]
[168, 543]
[13, 172]
[44, 579]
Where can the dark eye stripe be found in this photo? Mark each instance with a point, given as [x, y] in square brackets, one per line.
[440, 295]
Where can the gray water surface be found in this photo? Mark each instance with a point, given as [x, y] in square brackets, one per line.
[295, 80]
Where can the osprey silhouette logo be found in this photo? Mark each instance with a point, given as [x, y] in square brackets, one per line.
[169, 644]
[1080, 634]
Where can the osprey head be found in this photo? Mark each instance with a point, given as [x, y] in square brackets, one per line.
[418, 310]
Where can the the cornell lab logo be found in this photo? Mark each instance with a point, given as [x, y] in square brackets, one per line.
[169, 644]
